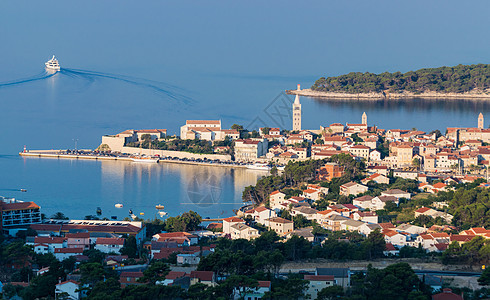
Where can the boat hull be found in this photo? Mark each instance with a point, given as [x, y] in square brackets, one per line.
[145, 160]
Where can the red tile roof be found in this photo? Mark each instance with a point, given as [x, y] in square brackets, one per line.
[174, 275]
[49, 240]
[109, 241]
[19, 206]
[319, 277]
[68, 250]
[202, 275]
[233, 220]
[79, 235]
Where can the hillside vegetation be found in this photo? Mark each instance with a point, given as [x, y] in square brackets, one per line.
[458, 79]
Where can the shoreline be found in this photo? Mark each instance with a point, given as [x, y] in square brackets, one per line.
[383, 96]
[56, 154]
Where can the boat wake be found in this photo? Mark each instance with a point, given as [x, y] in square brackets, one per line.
[166, 90]
[41, 76]
[162, 88]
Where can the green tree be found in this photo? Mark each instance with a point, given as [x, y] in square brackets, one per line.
[331, 292]
[155, 272]
[130, 247]
[59, 216]
[484, 277]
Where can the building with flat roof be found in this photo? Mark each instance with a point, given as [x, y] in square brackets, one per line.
[62, 227]
[16, 214]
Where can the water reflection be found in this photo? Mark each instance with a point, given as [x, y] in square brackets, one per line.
[417, 104]
[210, 191]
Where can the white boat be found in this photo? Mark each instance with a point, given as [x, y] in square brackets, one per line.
[118, 205]
[53, 64]
[162, 213]
[259, 166]
[133, 216]
[281, 168]
[144, 159]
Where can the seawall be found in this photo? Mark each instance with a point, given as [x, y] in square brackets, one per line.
[58, 154]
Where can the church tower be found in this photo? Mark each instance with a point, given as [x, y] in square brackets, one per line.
[364, 119]
[480, 121]
[297, 112]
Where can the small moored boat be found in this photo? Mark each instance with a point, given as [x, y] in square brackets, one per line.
[118, 205]
[159, 206]
[162, 213]
[144, 159]
[259, 166]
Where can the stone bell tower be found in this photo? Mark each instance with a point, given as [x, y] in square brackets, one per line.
[297, 112]
[364, 119]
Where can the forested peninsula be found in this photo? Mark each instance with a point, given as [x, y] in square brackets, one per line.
[461, 81]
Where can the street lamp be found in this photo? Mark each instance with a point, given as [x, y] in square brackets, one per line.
[76, 142]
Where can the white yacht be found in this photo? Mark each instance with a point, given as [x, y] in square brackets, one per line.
[144, 159]
[259, 166]
[52, 64]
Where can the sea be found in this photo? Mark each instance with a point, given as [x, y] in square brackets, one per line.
[156, 64]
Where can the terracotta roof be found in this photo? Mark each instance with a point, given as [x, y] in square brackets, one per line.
[461, 238]
[261, 209]
[319, 277]
[202, 275]
[422, 210]
[233, 219]
[68, 250]
[389, 247]
[79, 235]
[109, 241]
[439, 185]
[174, 275]
[132, 274]
[19, 206]
[49, 240]
[264, 284]
[188, 122]
[280, 220]
[390, 233]
[386, 225]
[276, 192]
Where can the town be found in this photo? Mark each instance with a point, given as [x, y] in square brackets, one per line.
[334, 198]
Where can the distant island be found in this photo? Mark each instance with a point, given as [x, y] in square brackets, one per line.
[461, 81]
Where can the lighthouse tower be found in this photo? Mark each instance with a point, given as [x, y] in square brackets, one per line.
[297, 113]
[480, 121]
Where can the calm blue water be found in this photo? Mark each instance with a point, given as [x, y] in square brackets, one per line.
[128, 65]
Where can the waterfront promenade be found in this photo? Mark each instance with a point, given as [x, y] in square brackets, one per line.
[92, 155]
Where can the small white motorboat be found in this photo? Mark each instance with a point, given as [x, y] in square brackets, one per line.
[259, 166]
[162, 213]
[118, 205]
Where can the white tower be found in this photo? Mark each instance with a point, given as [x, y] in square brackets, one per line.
[480, 121]
[364, 118]
[297, 113]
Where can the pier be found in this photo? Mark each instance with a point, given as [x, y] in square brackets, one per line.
[91, 155]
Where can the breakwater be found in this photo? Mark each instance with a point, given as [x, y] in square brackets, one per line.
[96, 156]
